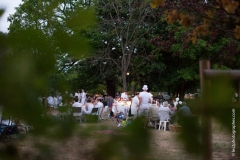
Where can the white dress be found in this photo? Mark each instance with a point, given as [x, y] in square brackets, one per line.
[134, 105]
[83, 97]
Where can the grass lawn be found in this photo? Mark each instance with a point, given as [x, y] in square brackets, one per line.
[90, 138]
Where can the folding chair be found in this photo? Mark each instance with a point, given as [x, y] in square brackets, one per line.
[93, 116]
[104, 113]
[64, 112]
[94, 111]
[77, 113]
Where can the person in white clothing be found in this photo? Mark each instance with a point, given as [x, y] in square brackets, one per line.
[77, 104]
[83, 96]
[115, 108]
[175, 102]
[164, 113]
[55, 101]
[99, 105]
[59, 97]
[78, 94]
[88, 107]
[124, 96]
[144, 103]
[134, 105]
[50, 101]
[165, 107]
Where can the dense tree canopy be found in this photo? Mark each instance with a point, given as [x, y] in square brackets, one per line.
[123, 28]
[197, 30]
[51, 31]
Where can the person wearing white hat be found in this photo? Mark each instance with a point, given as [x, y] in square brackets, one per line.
[144, 102]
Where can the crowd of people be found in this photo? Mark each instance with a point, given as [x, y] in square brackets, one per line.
[142, 104]
[57, 100]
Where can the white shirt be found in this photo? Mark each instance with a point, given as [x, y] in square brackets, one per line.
[60, 98]
[115, 107]
[77, 104]
[89, 110]
[55, 101]
[99, 105]
[78, 95]
[50, 100]
[145, 97]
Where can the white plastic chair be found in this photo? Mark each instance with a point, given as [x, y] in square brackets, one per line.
[164, 116]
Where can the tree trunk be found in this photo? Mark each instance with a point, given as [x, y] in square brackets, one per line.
[133, 84]
[124, 81]
[181, 92]
[111, 89]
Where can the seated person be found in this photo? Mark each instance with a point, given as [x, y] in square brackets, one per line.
[153, 112]
[104, 111]
[98, 104]
[165, 107]
[173, 113]
[50, 101]
[183, 113]
[164, 113]
[173, 108]
[115, 105]
[77, 104]
[88, 107]
[153, 109]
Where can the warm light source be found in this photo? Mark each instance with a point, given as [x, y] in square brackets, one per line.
[127, 73]
[128, 103]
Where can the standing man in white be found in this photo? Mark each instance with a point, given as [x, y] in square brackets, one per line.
[144, 103]
[83, 97]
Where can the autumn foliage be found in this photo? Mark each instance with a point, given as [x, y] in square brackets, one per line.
[204, 16]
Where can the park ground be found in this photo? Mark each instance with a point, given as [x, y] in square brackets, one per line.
[163, 144]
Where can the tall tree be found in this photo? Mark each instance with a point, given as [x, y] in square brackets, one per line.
[123, 25]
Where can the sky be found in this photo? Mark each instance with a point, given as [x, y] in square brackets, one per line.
[9, 6]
